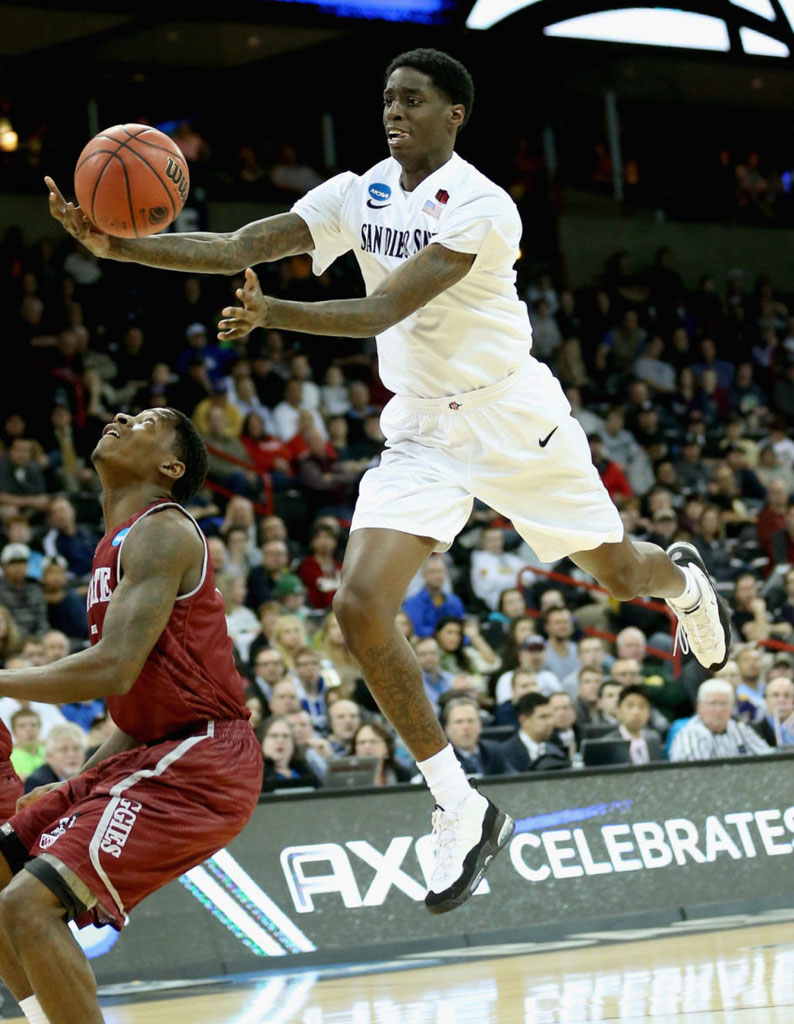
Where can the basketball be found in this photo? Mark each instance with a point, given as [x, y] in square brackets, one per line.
[131, 180]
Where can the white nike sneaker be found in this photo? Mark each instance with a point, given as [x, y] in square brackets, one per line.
[466, 843]
[705, 629]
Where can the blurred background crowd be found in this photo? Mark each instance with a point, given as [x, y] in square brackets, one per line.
[684, 388]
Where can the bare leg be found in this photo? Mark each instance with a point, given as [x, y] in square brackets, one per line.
[32, 920]
[11, 970]
[378, 566]
[633, 569]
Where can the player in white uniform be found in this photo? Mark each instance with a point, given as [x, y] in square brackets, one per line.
[474, 414]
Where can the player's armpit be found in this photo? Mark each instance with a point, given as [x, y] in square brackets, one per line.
[157, 555]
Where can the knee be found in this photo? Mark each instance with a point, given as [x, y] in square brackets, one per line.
[623, 582]
[16, 914]
[360, 612]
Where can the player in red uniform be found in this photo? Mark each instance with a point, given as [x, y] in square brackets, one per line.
[181, 775]
[11, 786]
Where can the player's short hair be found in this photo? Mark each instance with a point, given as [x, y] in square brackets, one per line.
[190, 450]
[448, 75]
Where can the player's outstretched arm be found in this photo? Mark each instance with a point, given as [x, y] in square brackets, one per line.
[285, 234]
[156, 556]
[413, 284]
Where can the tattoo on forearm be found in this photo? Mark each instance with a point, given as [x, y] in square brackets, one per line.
[207, 252]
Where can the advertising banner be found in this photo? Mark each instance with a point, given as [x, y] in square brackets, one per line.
[335, 877]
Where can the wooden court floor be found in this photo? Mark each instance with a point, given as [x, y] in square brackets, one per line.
[734, 976]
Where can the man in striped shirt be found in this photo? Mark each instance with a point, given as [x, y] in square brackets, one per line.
[713, 733]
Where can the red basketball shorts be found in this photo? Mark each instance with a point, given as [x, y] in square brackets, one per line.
[142, 818]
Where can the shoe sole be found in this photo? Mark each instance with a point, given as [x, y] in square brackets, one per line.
[693, 555]
[503, 829]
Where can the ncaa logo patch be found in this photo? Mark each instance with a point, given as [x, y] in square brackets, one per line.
[379, 195]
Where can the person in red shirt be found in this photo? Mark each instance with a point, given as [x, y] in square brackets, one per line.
[89, 849]
[613, 477]
[268, 454]
[320, 571]
[772, 517]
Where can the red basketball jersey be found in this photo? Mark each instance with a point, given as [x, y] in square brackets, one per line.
[189, 675]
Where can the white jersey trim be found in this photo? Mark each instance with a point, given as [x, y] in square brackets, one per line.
[205, 559]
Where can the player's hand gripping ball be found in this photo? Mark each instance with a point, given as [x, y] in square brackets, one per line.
[131, 180]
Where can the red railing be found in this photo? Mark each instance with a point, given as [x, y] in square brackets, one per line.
[655, 606]
[261, 509]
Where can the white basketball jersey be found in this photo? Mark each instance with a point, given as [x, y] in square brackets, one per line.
[472, 334]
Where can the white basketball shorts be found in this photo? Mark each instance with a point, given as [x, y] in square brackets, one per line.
[514, 445]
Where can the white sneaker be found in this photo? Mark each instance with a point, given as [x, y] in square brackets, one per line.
[705, 629]
[466, 843]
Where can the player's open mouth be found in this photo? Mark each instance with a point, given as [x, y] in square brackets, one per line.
[394, 136]
[112, 431]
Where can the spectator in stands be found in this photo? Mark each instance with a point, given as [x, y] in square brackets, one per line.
[334, 397]
[690, 468]
[286, 415]
[290, 593]
[607, 704]
[546, 336]
[532, 657]
[567, 733]
[68, 538]
[374, 740]
[288, 636]
[65, 607]
[267, 453]
[748, 609]
[22, 482]
[710, 540]
[284, 698]
[769, 469]
[344, 718]
[221, 449]
[777, 726]
[652, 368]
[562, 657]
[268, 668]
[312, 686]
[492, 568]
[591, 654]
[241, 623]
[618, 352]
[784, 616]
[460, 717]
[240, 557]
[633, 710]
[10, 636]
[432, 602]
[523, 681]
[590, 422]
[23, 597]
[263, 578]
[783, 540]
[193, 386]
[465, 650]
[621, 446]
[212, 356]
[360, 408]
[589, 685]
[231, 424]
[612, 476]
[64, 753]
[29, 751]
[751, 684]
[531, 748]
[335, 656]
[436, 679]
[712, 732]
[321, 570]
[313, 747]
[284, 765]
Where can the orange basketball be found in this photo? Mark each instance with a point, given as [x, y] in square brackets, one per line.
[131, 180]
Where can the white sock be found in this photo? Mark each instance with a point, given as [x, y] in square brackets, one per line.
[33, 1011]
[691, 595]
[444, 775]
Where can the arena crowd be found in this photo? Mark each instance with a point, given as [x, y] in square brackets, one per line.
[685, 390]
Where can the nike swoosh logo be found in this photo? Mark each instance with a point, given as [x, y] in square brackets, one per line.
[544, 441]
[374, 206]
